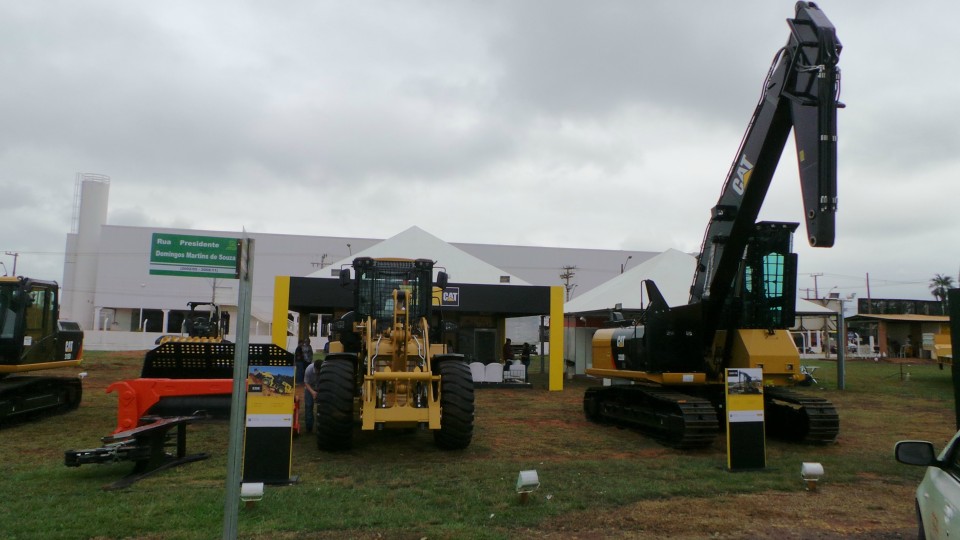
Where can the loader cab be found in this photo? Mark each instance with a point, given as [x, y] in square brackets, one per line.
[203, 321]
[377, 279]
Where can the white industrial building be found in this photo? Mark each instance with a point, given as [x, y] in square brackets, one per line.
[109, 290]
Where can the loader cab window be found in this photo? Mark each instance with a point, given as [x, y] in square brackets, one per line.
[40, 315]
[376, 286]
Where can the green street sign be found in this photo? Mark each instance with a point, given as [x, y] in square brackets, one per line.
[194, 256]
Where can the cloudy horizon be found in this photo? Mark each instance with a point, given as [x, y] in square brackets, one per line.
[543, 123]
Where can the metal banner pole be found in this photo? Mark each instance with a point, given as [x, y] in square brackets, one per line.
[953, 300]
[238, 403]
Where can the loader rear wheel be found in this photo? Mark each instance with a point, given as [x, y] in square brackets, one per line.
[456, 406]
[334, 420]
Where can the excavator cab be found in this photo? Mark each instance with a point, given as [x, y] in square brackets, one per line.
[31, 336]
[765, 295]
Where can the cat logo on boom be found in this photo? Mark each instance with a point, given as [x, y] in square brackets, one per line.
[744, 169]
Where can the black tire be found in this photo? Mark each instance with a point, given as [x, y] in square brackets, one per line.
[335, 389]
[456, 406]
[921, 532]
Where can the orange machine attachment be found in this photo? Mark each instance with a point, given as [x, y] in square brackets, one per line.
[136, 396]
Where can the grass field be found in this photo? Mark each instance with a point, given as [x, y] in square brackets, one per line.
[596, 481]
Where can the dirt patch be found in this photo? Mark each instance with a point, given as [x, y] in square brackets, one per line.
[875, 511]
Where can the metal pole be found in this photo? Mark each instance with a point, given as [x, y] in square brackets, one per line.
[238, 404]
[841, 349]
[542, 370]
[953, 302]
[14, 254]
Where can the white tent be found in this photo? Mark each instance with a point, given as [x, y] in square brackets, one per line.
[672, 271]
[415, 243]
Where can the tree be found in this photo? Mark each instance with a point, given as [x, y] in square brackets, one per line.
[938, 288]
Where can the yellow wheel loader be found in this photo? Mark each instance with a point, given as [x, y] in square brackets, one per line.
[388, 369]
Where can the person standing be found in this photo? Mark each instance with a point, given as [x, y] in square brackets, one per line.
[303, 357]
[310, 378]
[525, 360]
[507, 354]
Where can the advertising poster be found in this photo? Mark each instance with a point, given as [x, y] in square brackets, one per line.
[268, 434]
[270, 391]
[746, 444]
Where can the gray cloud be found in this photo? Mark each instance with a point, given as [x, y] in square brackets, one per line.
[555, 123]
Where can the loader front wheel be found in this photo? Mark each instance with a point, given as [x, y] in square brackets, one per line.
[456, 406]
[335, 389]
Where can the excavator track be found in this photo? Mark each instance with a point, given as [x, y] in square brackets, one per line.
[672, 418]
[25, 397]
[796, 417]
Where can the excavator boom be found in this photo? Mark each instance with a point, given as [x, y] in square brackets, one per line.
[800, 93]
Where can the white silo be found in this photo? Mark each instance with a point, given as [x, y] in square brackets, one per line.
[91, 194]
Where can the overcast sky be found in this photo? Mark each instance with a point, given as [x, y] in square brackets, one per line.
[554, 123]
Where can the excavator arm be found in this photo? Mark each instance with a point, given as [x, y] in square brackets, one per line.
[801, 94]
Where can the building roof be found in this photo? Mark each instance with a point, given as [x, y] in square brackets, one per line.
[416, 243]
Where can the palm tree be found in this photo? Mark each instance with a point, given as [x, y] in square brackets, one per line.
[938, 288]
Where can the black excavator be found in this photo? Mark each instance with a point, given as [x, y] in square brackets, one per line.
[34, 339]
[742, 299]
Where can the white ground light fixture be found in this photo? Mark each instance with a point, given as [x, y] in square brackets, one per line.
[251, 492]
[527, 483]
[811, 474]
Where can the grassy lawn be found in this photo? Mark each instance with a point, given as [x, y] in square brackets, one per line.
[596, 481]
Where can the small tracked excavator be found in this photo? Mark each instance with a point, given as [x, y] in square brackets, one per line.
[32, 339]
[742, 299]
[389, 369]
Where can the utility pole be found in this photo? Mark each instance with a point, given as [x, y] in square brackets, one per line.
[816, 293]
[14, 254]
[869, 300]
[566, 274]
[214, 286]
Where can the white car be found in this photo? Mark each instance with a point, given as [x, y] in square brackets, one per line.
[938, 495]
